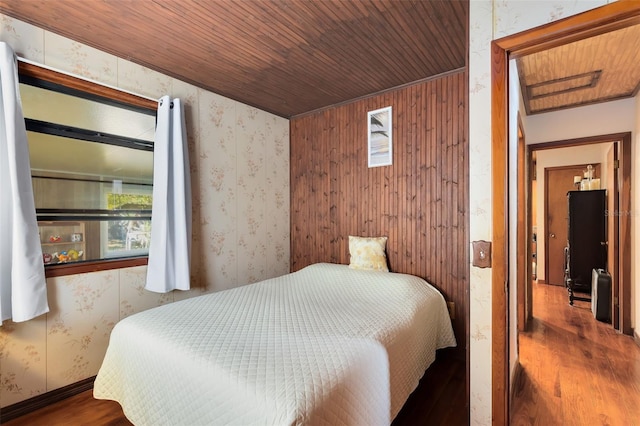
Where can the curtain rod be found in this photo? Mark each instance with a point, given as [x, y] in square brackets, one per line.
[28, 61]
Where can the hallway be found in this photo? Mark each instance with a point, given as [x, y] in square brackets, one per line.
[576, 370]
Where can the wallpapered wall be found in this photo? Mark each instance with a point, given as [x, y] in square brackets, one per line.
[240, 179]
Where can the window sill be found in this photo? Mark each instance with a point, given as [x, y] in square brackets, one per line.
[95, 266]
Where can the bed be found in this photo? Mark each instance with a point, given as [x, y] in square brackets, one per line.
[326, 345]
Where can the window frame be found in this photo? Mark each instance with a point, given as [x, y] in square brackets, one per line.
[110, 95]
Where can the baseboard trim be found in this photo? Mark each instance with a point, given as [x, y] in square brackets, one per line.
[32, 404]
[542, 281]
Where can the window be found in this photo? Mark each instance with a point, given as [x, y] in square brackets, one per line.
[91, 152]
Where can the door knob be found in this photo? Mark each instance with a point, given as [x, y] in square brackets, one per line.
[552, 235]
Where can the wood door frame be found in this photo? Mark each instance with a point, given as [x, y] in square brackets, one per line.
[607, 18]
[624, 234]
[524, 234]
[597, 166]
[613, 232]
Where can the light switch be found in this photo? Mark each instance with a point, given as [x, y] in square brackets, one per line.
[482, 254]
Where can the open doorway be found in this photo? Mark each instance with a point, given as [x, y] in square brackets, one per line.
[553, 172]
[598, 21]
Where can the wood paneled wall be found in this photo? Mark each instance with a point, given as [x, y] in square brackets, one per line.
[420, 202]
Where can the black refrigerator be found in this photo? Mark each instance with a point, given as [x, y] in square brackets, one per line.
[587, 239]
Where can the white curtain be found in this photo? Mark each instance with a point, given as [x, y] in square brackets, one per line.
[170, 247]
[23, 288]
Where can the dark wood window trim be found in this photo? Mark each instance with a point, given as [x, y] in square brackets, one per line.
[94, 266]
[108, 93]
[95, 89]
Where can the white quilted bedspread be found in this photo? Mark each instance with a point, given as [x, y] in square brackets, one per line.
[326, 345]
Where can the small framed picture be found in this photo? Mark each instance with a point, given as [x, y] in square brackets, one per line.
[380, 138]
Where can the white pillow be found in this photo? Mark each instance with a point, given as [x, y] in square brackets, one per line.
[368, 253]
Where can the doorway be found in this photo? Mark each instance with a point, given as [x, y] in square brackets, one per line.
[598, 21]
[615, 152]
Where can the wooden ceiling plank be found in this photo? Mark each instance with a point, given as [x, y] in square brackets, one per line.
[385, 30]
[236, 41]
[283, 56]
[318, 61]
[444, 51]
[357, 77]
[411, 41]
[248, 70]
[615, 53]
[401, 29]
[379, 72]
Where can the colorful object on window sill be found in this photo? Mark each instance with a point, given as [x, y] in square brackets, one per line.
[73, 255]
[63, 256]
[47, 258]
[66, 256]
[55, 239]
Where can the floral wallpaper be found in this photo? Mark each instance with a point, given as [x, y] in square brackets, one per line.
[489, 20]
[239, 159]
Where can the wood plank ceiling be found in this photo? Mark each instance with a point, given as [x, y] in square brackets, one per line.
[287, 57]
[597, 69]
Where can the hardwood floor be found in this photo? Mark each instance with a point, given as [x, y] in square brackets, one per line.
[438, 400]
[81, 409]
[576, 370]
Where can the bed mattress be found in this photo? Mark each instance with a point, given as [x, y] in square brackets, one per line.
[326, 345]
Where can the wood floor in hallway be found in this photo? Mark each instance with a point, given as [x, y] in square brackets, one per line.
[576, 370]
